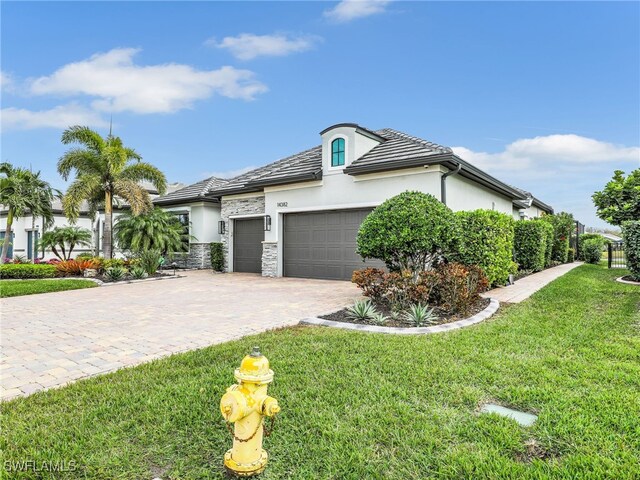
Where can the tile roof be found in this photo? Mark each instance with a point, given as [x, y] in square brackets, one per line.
[195, 191]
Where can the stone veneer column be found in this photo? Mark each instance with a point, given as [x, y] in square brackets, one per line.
[237, 206]
[269, 259]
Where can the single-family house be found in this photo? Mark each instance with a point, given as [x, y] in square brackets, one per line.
[299, 216]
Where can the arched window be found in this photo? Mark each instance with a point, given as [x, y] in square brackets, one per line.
[337, 152]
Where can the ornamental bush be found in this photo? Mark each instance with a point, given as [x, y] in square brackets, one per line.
[410, 231]
[27, 270]
[487, 241]
[548, 243]
[563, 225]
[217, 257]
[571, 256]
[588, 236]
[592, 250]
[530, 245]
[631, 237]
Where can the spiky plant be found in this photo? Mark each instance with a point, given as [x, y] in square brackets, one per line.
[361, 310]
[420, 315]
[105, 171]
[155, 230]
[115, 274]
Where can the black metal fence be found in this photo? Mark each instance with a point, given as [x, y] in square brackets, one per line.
[573, 240]
[615, 256]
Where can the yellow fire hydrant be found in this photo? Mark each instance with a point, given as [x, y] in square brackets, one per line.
[245, 405]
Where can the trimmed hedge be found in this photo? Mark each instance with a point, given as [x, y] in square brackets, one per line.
[487, 241]
[563, 225]
[530, 244]
[27, 270]
[588, 236]
[571, 257]
[410, 231]
[217, 256]
[631, 237]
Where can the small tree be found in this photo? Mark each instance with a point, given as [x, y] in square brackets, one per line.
[408, 232]
[619, 201]
[62, 240]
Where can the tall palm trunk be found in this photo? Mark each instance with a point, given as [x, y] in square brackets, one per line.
[7, 236]
[107, 237]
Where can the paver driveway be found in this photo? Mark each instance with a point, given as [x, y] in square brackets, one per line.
[54, 338]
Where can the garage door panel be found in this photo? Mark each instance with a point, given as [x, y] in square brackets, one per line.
[323, 244]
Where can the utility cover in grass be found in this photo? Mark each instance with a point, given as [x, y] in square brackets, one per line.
[524, 419]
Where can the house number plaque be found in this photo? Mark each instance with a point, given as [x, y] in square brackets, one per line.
[282, 204]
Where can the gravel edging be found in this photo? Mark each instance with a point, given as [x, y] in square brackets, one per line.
[445, 327]
[628, 282]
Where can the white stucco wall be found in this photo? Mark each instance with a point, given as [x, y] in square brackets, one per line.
[356, 145]
[465, 194]
[22, 225]
[204, 217]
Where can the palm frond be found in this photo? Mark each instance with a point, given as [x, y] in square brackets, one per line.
[142, 171]
[82, 160]
[136, 196]
[84, 136]
[83, 187]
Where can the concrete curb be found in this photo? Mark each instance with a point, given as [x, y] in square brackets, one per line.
[445, 327]
[627, 282]
[123, 282]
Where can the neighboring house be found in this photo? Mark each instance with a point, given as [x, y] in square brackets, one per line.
[28, 230]
[299, 216]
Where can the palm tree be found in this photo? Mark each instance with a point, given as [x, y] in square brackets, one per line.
[157, 230]
[105, 170]
[58, 239]
[23, 191]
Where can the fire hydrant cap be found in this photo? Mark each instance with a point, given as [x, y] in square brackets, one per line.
[254, 368]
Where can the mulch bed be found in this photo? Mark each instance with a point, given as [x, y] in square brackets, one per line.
[629, 278]
[443, 317]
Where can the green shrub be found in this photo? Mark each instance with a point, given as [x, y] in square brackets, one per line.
[487, 241]
[571, 255]
[408, 232]
[217, 256]
[548, 242]
[529, 245]
[563, 225]
[592, 250]
[588, 236]
[27, 270]
[631, 237]
[150, 260]
[115, 274]
[108, 263]
[85, 256]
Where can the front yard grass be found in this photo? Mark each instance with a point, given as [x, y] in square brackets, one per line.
[14, 288]
[372, 406]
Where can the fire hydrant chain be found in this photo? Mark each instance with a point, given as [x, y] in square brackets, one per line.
[245, 404]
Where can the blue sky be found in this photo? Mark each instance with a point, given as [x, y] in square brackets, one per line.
[542, 95]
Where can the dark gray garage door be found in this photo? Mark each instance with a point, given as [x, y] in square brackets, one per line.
[323, 244]
[248, 235]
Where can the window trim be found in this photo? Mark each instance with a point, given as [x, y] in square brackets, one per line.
[330, 166]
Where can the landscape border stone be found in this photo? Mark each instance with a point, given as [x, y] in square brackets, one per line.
[628, 282]
[445, 327]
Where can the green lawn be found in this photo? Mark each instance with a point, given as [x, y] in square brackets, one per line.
[14, 288]
[369, 406]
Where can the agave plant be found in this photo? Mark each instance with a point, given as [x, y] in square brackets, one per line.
[115, 273]
[420, 315]
[138, 272]
[379, 318]
[361, 310]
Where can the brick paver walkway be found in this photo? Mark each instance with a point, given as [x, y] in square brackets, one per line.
[527, 286]
[55, 338]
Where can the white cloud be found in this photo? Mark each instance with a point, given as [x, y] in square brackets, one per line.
[228, 173]
[247, 46]
[348, 10]
[551, 153]
[120, 85]
[59, 117]
[6, 81]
